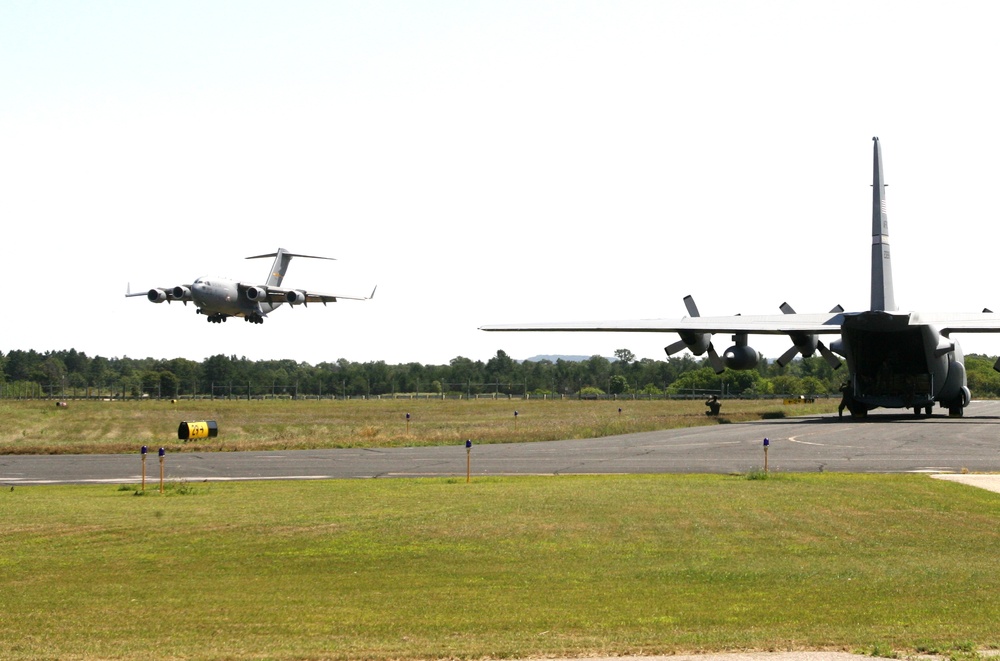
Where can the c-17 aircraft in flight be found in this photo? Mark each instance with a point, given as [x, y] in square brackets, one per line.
[894, 359]
[220, 298]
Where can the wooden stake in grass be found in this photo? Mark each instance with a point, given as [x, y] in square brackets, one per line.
[162, 452]
[515, 420]
[407, 423]
[766, 444]
[143, 452]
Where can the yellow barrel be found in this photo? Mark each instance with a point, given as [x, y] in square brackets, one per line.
[201, 429]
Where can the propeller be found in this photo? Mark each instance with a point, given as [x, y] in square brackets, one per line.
[807, 343]
[697, 343]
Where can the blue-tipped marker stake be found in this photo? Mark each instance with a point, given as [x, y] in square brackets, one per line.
[468, 460]
[162, 453]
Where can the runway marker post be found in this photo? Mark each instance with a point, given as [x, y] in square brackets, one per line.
[766, 444]
[407, 423]
[468, 460]
[515, 420]
[143, 452]
[162, 453]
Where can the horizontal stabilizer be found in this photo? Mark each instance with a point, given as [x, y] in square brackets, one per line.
[291, 254]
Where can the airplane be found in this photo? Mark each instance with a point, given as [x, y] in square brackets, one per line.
[219, 298]
[895, 359]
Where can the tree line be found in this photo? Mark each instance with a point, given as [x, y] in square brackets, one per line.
[74, 373]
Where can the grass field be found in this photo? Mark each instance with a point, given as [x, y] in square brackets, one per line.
[518, 567]
[39, 427]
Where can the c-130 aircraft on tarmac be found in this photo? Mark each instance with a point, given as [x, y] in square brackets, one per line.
[894, 359]
[220, 298]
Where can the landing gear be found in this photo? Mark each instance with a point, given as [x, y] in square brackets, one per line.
[217, 318]
[254, 319]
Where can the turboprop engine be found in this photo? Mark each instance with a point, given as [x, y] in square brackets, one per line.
[737, 357]
[696, 343]
[807, 344]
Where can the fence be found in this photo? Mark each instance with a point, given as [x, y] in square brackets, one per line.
[250, 391]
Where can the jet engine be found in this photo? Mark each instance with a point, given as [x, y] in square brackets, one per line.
[180, 293]
[295, 297]
[256, 294]
[156, 295]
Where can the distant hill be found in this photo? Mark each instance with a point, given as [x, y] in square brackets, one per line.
[574, 359]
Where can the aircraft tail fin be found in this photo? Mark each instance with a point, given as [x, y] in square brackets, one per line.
[882, 294]
[280, 266]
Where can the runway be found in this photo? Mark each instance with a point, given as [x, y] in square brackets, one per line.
[882, 443]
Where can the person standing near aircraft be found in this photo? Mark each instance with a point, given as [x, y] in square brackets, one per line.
[713, 405]
[845, 394]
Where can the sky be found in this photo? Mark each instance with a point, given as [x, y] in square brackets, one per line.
[486, 163]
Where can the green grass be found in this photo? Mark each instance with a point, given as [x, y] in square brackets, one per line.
[39, 427]
[513, 567]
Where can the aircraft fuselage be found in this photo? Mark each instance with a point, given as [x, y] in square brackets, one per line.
[896, 363]
[225, 297]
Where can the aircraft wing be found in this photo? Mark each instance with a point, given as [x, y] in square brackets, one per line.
[303, 296]
[959, 322]
[772, 324]
[160, 294]
[783, 324]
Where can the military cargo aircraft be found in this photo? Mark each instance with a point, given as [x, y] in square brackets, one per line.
[894, 359]
[219, 298]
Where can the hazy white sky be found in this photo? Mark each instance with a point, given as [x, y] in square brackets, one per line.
[486, 162]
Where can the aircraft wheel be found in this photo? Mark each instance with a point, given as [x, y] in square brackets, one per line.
[928, 409]
[956, 411]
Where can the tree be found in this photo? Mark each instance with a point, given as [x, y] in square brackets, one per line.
[698, 380]
[99, 372]
[624, 356]
[618, 384]
[218, 370]
[21, 365]
[52, 371]
[500, 369]
[598, 371]
[169, 384]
